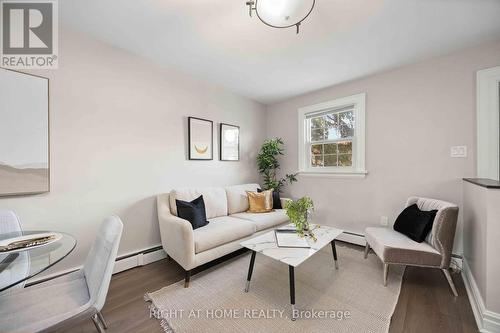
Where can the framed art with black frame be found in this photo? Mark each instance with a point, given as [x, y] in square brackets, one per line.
[229, 142]
[200, 137]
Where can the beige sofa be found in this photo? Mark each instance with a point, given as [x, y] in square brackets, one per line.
[229, 224]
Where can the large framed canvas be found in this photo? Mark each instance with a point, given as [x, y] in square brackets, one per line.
[24, 134]
[200, 134]
[229, 143]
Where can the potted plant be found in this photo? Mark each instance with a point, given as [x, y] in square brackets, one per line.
[268, 165]
[298, 211]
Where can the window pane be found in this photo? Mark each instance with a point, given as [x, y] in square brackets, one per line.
[317, 134]
[346, 124]
[345, 147]
[330, 148]
[330, 160]
[317, 160]
[318, 122]
[345, 160]
[332, 124]
[316, 149]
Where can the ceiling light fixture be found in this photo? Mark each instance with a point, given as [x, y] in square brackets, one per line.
[281, 13]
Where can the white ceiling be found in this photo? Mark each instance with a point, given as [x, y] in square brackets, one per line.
[216, 40]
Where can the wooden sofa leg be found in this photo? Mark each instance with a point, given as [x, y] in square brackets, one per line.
[367, 249]
[386, 272]
[450, 281]
[187, 278]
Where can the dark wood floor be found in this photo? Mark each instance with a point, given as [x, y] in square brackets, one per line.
[425, 303]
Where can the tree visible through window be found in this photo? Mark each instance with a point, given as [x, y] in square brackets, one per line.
[331, 139]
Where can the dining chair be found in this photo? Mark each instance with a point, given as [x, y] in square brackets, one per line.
[60, 302]
[19, 267]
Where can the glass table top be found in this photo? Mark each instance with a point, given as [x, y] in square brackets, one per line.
[21, 266]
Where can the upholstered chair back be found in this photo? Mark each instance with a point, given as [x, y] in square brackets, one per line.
[9, 222]
[442, 234]
[100, 261]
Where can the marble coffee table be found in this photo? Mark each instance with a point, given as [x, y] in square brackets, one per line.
[293, 257]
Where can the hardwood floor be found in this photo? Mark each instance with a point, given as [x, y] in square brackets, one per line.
[425, 303]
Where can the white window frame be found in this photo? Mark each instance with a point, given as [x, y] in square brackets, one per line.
[358, 143]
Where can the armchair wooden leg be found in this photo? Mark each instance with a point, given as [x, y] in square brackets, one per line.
[101, 318]
[367, 249]
[450, 281]
[386, 271]
[97, 324]
[187, 278]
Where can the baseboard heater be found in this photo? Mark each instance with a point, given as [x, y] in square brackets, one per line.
[152, 254]
[122, 263]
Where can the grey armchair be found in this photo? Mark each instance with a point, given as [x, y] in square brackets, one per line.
[10, 223]
[61, 301]
[394, 248]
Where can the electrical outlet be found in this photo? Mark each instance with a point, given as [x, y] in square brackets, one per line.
[458, 151]
[384, 221]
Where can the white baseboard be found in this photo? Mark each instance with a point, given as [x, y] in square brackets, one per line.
[138, 259]
[353, 238]
[123, 263]
[487, 321]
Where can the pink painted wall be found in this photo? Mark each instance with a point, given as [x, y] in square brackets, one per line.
[414, 114]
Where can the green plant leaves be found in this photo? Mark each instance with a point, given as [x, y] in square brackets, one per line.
[268, 165]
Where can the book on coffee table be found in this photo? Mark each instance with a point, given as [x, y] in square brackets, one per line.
[290, 238]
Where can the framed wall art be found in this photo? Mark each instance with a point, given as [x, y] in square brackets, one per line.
[229, 144]
[24, 133]
[200, 135]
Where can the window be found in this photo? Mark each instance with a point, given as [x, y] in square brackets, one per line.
[332, 137]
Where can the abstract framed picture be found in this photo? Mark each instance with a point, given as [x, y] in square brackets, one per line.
[24, 134]
[229, 142]
[200, 134]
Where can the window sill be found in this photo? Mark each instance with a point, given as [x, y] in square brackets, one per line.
[334, 174]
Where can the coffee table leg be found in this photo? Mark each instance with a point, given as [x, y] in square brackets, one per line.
[334, 250]
[292, 289]
[250, 271]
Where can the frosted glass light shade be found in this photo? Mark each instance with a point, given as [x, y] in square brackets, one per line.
[283, 13]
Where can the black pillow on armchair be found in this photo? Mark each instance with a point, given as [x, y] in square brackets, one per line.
[193, 211]
[415, 223]
[276, 199]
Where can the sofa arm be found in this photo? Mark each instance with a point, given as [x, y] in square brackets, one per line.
[284, 201]
[176, 234]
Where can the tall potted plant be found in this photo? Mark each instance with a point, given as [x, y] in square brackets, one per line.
[268, 165]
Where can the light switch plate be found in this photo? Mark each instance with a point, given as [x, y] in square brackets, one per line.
[458, 151]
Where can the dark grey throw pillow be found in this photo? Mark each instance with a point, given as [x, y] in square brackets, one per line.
[276, 199]
[193, 211]
[415, 223]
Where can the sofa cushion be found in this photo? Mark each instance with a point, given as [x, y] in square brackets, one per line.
[214, 198]
[193, 211]
[237, 200]
[221, 230]
[396, 248]
[264, 220]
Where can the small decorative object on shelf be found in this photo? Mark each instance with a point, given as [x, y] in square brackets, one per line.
[298, 211]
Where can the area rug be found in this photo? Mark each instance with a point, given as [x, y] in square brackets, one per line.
[350, 299]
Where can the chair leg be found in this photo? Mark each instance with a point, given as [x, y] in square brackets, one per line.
[450, 282]
[101, 318]
[386, 271]
[187, 278]
[97, 324]
[367, 249]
